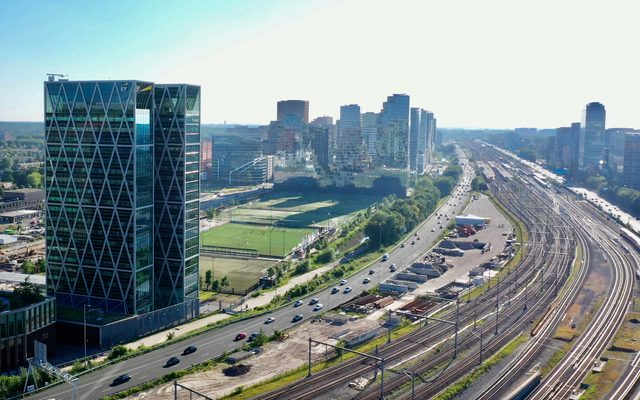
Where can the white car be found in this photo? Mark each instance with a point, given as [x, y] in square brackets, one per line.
[269, 320]
[318, 307]
[347, 289]
[298, 303]
[343, 282]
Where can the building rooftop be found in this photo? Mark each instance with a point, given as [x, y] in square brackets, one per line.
[15, 277]
[18, 213]
[25, 190]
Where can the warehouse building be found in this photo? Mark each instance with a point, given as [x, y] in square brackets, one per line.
[471, 219]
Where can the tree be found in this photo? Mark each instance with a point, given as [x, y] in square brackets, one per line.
[207, 278]
[215, 285]
[224, 282]
[29, 267]
[445, 184]
[117, 351]
[302, 267]
[25, 293]
[34, 179]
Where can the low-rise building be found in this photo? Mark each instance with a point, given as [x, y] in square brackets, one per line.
[12, 217]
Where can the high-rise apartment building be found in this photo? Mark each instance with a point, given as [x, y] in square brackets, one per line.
[393, 138]
[349, 144]
[414, 131]
[592, 140]
[370, 121]
[122, 198]
[296, 108]
[426, 140]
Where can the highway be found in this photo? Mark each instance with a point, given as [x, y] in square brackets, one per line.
[212, 344]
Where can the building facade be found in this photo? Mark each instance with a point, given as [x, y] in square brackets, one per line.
[122, 192]
[20, 327]
[393, 135]
[349, 146]
[297, 108]
[593, 136]
[631, 169]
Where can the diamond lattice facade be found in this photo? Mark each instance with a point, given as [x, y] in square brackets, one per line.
[122, 189]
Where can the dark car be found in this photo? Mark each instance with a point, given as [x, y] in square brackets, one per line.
[172, 361]
[253, 336]
[240, 336]
[297, 318]
[121, 379]
[189, 350]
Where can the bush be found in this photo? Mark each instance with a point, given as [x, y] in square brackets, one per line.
[325, 256]
[302, 267]
[117, 352]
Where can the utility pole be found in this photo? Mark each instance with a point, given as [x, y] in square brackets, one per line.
[455, 348]
[497, 303]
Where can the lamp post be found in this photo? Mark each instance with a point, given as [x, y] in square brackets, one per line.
[84, 318]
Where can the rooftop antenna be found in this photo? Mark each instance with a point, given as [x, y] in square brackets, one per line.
[52, 77]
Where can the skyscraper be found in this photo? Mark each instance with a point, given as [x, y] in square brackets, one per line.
[122, 197]
[370, 134]
[426, 140]
[592, 138]
[394, 132]
[297, 108]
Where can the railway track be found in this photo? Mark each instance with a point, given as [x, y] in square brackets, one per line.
[395, 352]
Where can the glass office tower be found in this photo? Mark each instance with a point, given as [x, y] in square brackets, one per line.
[122, 189]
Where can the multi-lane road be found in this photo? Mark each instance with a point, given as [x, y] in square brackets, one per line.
[143, 368]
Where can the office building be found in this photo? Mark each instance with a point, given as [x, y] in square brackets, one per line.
[323, 121]
[238, 161]
[592, 139]
[393, 136]
[426, 141]
[631, 170]
[206, 158]
[296, 108]
[122, 188]
[322, 145]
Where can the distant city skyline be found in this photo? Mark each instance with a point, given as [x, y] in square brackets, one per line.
[495, 64]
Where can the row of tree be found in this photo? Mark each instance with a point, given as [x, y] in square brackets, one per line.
[393, 219]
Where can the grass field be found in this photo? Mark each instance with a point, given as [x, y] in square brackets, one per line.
[301, 209]
[266, 240]
[241, 273]
[292, 216]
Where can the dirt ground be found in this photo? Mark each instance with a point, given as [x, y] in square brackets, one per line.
[277, 358]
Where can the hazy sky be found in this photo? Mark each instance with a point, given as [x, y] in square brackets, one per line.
[488, 63]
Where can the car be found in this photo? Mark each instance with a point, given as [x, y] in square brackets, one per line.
[372, 271]
[347, 289]
[415, 234]
[393, 269]
[297, 318]
[121, 379]
[393, 265]
[172, 361]
[366, 280]
[413, 242]
[298, 303]
[343, 282]
[318, 307]
[269, 320]
[253, 336]
[418, 238]
[335, 290]
[441, 227]
[240, 336]
[313, 301]
[402, 245]
[433, 229]
[189, 350]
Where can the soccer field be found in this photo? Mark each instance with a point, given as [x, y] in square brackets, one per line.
[301, 209]
[265, 239]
